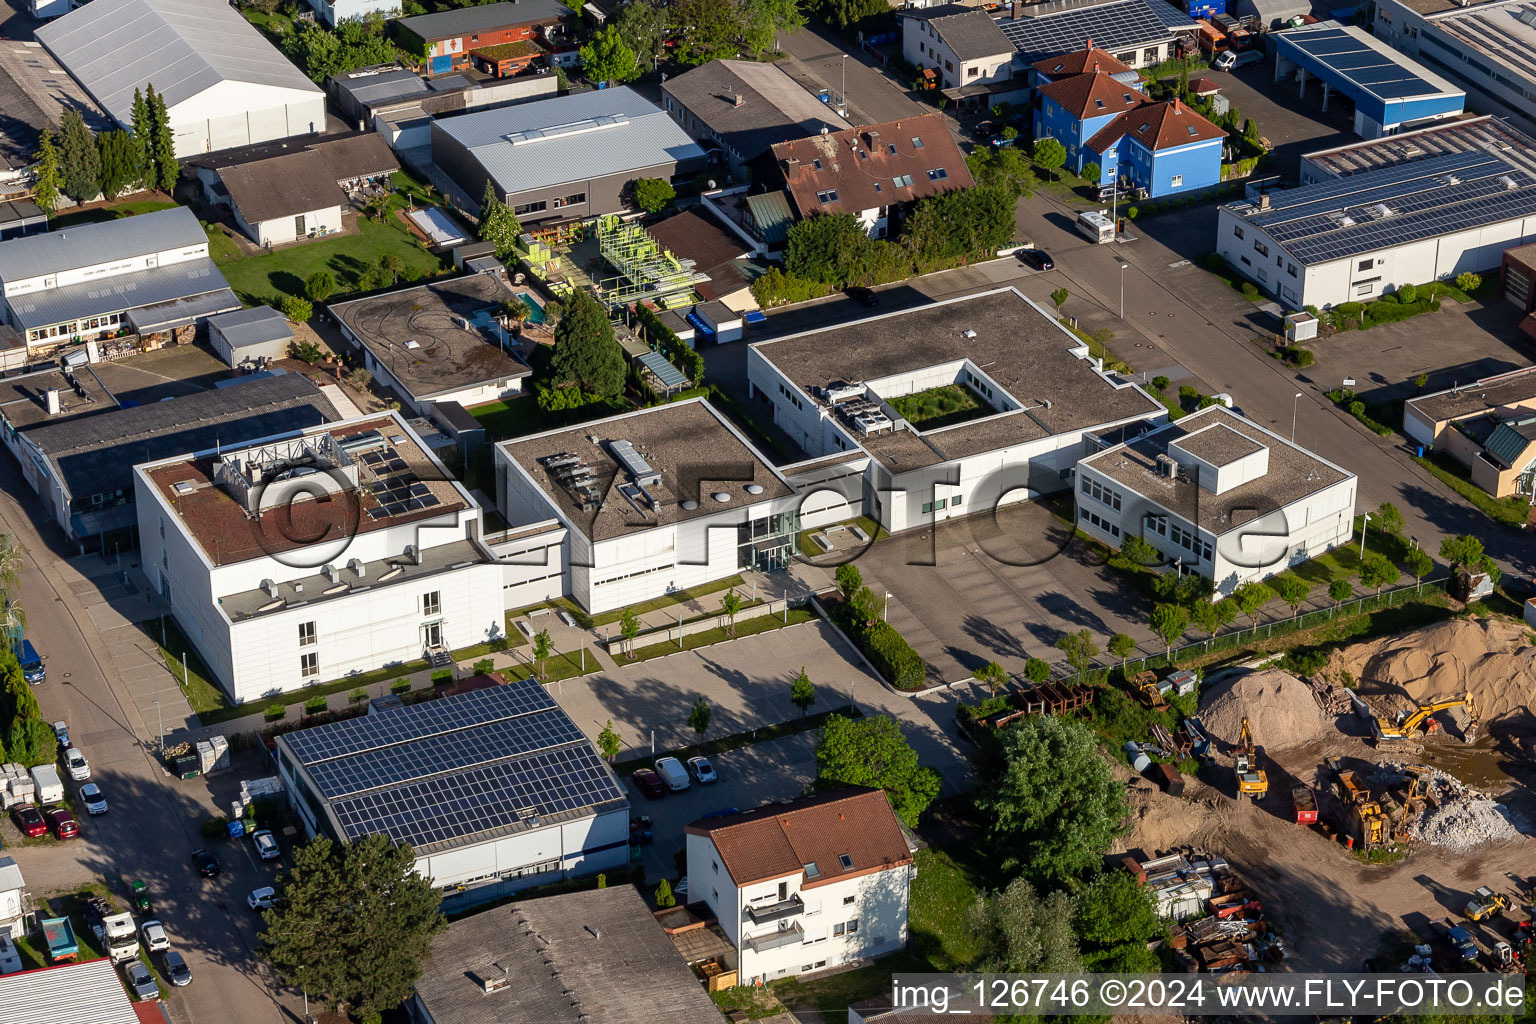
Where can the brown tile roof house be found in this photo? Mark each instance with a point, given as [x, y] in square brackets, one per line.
[876, 166]
[1157, 126]
[713, 249]
[353, 156]
[281, 186]
[810, 836]
[1080, 62]
[1093, 95]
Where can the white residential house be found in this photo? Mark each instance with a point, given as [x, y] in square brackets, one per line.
[807, 885]
[1218, 495]
[317, 554]
[962, 44]
[13, 899]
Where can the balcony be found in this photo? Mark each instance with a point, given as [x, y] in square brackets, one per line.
[776, 911]
[773, 940]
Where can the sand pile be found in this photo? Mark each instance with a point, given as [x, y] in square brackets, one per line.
[1281, 710]
[1493, 658]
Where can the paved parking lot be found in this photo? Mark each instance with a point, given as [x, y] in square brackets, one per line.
[1002, 588]
[1295, 124]
[749, 777]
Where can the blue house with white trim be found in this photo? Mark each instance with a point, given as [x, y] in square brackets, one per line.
[1165, 148]
[1074, 109]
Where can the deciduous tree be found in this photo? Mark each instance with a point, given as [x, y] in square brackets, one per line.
[1377, 572]
[1250, 597]
[991, 675]
[498, 224]
[1053, 804]
[1037, 670]
[1049, 155]
[1079, 649]
[654, 194]
[608, 742]
[1020, 931]
[706, 30]
[586, 353]
[845, 13]
[1293, 590]
[1115, 918]
[1340, 591]
[643, 26]
[762, 20]
[873, 752]
[1387, 517]
[802, 692]
[1121, 645]
[608, 58]
[354, 922]
[700, 715]
[320, 285]
[1419, 565]
[629, 629]
[543, 647]
[1169, 621]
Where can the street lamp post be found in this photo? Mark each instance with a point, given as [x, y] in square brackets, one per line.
[887, 609]
[160, 720]
[843, 93]
[1294, 402]
[1364, 527]
[1123, 266]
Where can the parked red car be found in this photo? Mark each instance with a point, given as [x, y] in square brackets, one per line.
[63, 823]
[29, 820]
[649, 783]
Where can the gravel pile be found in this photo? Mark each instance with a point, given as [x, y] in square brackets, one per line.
[1465, 824]
[1281, 710]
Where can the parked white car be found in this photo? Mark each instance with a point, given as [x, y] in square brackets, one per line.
[261, 899]
[92, 798]
[266, 845]
[154, 936]
[79, 768]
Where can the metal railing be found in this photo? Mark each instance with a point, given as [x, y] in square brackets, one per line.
[773, 940]
[776, 911]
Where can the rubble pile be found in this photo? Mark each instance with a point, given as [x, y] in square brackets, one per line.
[1331, 698]
[1455, 816]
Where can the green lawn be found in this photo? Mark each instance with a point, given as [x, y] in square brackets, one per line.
[564, 665]
[261, 278]
[811, 549]
[522, 416]
[749, 627]
[942, 406]
[69, 218]
[1511, 511]
[193, 677]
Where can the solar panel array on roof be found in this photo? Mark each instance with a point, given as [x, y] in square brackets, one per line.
[446, 770]
[1358, 58]
[1112, 26]
[1507, 32]
[669, 375]
[1406, 203]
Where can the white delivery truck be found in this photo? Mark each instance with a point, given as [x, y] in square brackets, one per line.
[50, 788]
[119, 935]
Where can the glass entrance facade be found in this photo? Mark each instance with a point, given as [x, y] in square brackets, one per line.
[768, 543]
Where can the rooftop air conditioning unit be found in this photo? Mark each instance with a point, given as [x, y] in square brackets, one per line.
[1166, 466]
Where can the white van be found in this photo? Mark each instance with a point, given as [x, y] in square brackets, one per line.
[672, 773]
[50, 788]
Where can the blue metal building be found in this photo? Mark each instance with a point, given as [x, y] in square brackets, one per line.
[1389, 90]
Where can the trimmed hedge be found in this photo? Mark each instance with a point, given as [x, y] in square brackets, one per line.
[893, 656]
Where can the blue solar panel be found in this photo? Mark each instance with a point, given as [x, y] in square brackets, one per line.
[1358, 60]
[401, 725]
[1113, 26]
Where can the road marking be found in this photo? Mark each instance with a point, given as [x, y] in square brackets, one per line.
[1180, 263]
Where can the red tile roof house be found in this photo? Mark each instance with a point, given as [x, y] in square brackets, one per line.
[807, 885]
[450, 40]
[872, 172]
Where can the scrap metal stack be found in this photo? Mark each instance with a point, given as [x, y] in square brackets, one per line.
[1232, 936]
[1053, 698]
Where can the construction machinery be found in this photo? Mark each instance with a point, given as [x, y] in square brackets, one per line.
[1145, 684]
[1364, 815]
[1406, 723]
[1420, 777]
[1485, 903]
[1251, 780]
[1305, 804]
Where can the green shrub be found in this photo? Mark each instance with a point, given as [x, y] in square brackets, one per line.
[442, 676]
[1250, 291]
[677, 351]
[315, 704]
[895, 659]
[216, 827]
[1357, 409]
[400, 685]
[274, 712]
[357, 696]
[1469, 282]
[483, 667]
[777, 288]
[1407, 293]
[1133, 212]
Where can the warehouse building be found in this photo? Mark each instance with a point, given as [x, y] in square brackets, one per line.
[250, 335]
[1040, 404]
[140, 274]
[224, 84]
[400, 104]
[312, 556]
[494, 790]
[437, 342]
[1487, 48]
[86, 991]
[83, 468]
[1389, 91]
[599, 955]
[1489, 426]
[1218, 495]
[1486, 134]
[1352, 239]
[568, 158]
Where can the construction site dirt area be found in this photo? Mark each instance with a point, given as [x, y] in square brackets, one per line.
[1407, 829]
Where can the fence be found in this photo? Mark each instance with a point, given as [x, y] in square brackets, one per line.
[1237, 636]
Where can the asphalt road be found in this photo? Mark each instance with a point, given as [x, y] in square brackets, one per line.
[152, 826]
[872, 98]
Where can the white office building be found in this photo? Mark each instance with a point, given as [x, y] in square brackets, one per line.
[633, 507]
[494, 790]
[1040, 405]
[807, 885]
[316, 555]
[1218, 495]
[1488, 48]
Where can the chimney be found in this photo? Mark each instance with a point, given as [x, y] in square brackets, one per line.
[792, 168]
[737, 100]
[1090, 45]
[1178, 108]
[1264, 201]
[1018, 9]
[51, 397]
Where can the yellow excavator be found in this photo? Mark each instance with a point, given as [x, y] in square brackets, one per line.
[1420, 778]
[1409, 722]
[1251, 780]
[1366, 818]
